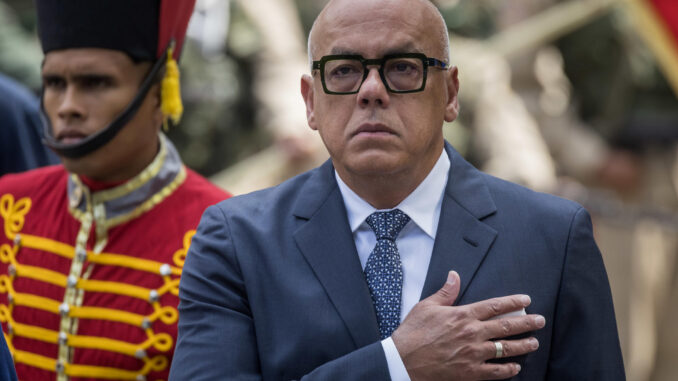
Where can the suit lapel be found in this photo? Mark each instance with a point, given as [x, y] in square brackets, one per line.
[462, 239]
[326, 241]
[461, 244]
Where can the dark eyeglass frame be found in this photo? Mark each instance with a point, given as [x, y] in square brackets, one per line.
[426, 62]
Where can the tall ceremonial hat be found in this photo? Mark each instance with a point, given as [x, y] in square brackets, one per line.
[146, 30]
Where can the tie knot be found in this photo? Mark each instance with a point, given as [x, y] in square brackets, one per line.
[387, 225]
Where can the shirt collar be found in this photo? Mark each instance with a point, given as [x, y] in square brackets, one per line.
[422, 205]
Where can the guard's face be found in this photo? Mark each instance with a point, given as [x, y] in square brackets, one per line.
[375, 132]
[84, 91]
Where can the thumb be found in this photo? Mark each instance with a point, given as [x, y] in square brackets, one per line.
[449, 292]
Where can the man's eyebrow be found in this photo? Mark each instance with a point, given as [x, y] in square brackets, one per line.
[92, 76]
[79, 76]
[46, 76]
[343, 51]
[408, 47]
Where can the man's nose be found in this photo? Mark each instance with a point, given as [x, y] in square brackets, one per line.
[373, 91]
[72, 105]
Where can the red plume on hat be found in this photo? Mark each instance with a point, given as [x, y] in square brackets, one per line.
[174, 16]
[173, 21]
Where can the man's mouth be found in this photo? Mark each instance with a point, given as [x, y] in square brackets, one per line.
[70, 136]
[373, 129]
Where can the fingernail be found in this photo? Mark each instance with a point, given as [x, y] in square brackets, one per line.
[534, 343]
[539, 321]
[525, 300]
[451, 279]
[518, 368]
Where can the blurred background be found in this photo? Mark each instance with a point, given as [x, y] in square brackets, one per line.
[576, 98]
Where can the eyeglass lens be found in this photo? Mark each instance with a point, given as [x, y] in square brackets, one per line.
[401, 74]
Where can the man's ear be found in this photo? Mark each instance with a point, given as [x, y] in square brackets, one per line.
[307, 94]
[452, 106]
[156, 93]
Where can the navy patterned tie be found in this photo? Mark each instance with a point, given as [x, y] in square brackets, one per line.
[383, 270]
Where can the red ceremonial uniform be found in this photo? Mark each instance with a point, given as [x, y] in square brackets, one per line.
[89, 273]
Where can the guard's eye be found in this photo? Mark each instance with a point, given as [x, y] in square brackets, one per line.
[54, 83]
[93, 82]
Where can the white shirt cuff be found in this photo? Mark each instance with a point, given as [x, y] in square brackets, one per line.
[396, 367]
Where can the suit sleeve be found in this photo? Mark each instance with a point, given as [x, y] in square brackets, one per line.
[217, 339]
[585, 340]
[7, 372]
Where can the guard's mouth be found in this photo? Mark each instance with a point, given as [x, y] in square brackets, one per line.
[70, 136]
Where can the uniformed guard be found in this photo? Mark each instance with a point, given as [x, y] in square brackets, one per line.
[91, 251]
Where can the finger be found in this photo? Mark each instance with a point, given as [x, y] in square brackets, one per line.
[486, 309]
[510, 348]
[448, 293]
[514, 325]
[490, 371]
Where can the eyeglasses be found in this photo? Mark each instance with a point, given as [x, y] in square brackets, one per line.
[400, 73]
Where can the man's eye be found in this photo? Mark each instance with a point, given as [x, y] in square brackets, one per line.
[403, 67]
[344, 71]
[95, 83]
[54, 83]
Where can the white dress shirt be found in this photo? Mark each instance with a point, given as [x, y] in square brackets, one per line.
[415, 241]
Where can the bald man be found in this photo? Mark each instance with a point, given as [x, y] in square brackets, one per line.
[396, 259]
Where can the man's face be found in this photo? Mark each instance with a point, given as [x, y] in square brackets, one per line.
[375, 132]
[84, 91]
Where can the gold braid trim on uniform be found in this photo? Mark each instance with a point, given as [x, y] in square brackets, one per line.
[157, 363]
[48, 245]
[179, 256]
[125, 289]
[130, 262]
[156, 199]
[13, 213]
[147, 205]
[134, 183]
[162, 341]
[69, 324]
[166, 314]
[8, 255]
[96, 202]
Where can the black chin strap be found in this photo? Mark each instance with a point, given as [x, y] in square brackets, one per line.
[100, 138]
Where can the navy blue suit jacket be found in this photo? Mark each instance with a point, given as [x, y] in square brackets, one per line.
[273, 289]
[7, 372]
[21, 147]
